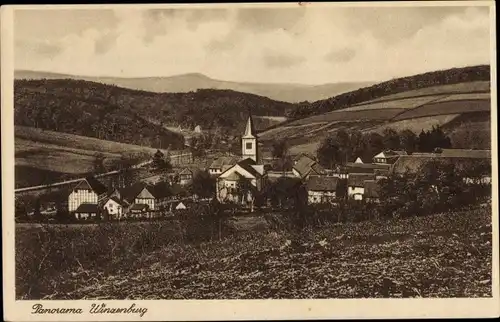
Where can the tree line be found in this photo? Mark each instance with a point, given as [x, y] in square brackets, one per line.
[346, 145]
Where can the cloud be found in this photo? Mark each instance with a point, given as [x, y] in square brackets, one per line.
[303, 44]
[341, 56]
[282, 61]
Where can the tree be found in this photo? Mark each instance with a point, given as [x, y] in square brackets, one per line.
[203, 184]
[408, 141]
[391, 139]
[99, 163]
[328, 153]
[37, 214]
[280, 152]
[160, 164]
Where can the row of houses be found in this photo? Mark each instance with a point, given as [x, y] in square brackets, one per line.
[360, 180]
[90, 198]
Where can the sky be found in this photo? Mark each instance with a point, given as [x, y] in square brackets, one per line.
[299, 44]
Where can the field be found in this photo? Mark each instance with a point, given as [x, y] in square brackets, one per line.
[406, 103]
[447, 107]
[459, 88]
[43, 156]
[416, 124]
[444, 255]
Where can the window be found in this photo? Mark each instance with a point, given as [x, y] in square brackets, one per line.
[249, 145]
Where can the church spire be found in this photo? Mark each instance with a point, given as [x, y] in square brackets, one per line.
[249, 129]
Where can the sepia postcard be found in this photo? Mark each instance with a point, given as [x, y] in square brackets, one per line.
[303, 160]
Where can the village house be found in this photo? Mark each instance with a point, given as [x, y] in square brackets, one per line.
[185, 176]
[371, 191]
[88, 191]
[135, 197]
[380, 170]
[305, 166]
[356, 184]
[459, 157]
[228, 183]
[115, 208]
[388, 156]
[197, 129]
[322, 189]
[87, 211]
[221, 163]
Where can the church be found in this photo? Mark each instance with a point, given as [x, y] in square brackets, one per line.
[241, 181]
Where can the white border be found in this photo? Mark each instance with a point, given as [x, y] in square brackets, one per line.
[233, 309]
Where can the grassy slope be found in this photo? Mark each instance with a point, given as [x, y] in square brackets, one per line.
[445, 255]
[414, 110]
[42, 154]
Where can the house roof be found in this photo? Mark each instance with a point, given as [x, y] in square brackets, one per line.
[233, 176]
[186, 171]
[465, 153]
[87, 208]
[413, 163]
[390, 153]
[247, 165]
[139, 206]
[358, 179]
[93, 184]
[129, 193]
[304, 165]
[115, 199]
[353, 167]
[372, 189]
[223, 161]
[322, 183]
[180, 205]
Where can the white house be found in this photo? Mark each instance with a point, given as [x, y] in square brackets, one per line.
[358, 160]
[356, 184]
[185, 176]
[87, 191]
[388, 157]
[322, 189]
[114, 207]
[197, 129]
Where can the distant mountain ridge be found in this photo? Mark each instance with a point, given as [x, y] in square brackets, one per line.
[292, 93]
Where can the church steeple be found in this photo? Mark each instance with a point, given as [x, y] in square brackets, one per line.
[249, 129]
[249, 143]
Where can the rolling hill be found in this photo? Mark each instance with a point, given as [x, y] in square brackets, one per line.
[139, 117]
[460, 109]
[292, 93]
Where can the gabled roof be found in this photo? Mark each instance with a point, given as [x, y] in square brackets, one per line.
[390, 153]
[93, 184]
[358, 179]
[247, 165]
[129, 193]
[372, 189]
[322, 183]
[304, 165]
[186, 171]
[115, 199]
[223, 161]
[87, 208]
[235, 176]
[413, 163]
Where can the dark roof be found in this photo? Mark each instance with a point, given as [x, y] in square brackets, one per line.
[161, 190]
[304, 165]
[96, 185]
[413, 163]
[352, 167]
[372, 189]
[139, 206]
[129, 193]
[322, 183]
[247, 165]
[466, 153]
[358, 179]
[87, 208]
[222, 161]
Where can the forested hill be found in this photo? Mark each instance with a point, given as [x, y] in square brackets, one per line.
[124, 115]
[394, 86]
